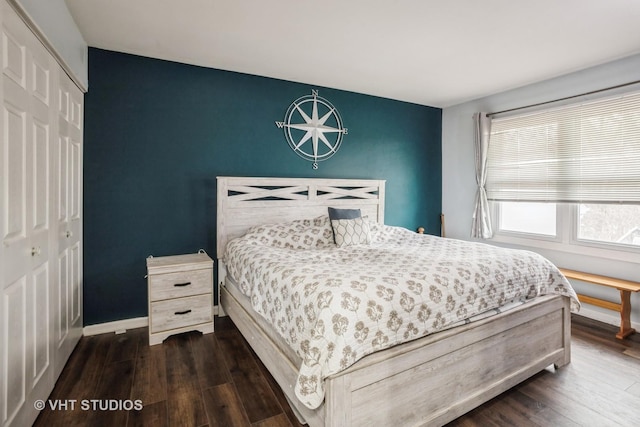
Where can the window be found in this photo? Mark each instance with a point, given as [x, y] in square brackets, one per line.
[577, 165]
[614, 224]
[527, 218]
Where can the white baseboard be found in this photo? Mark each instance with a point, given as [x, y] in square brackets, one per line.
[610, 319]
[116, 326]
[120, 326]
[140, 322]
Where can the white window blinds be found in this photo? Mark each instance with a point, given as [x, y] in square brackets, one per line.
[588, 152]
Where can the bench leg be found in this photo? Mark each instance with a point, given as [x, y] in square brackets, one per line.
[625, 315]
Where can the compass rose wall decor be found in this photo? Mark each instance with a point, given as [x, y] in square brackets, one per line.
[313, 128]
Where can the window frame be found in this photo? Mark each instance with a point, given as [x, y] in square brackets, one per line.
[566, 239]
[497, 214]
[597, 243]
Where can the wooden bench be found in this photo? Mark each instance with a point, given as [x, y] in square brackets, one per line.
[624, 286]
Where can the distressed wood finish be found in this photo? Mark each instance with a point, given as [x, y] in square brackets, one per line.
[432, 380]
[429, 381]
[195, 282]
[180, 295]
[180, 312]
[244, 202]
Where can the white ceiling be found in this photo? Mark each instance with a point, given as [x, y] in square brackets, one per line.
[431, 52]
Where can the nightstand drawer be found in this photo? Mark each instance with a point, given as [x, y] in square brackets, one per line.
[180, 284]
[180, 312]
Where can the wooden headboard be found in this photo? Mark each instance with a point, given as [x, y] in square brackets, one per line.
[244, 202]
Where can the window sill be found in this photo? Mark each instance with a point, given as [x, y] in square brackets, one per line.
[588, 249]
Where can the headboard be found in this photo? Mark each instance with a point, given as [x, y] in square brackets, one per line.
[244, 202]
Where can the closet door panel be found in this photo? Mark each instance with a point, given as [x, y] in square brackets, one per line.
[15, 51]
[40, 190]
[38, 217]
[76, 287]
[16, 181]
[75, 172]
[26, 348]
[63, 160]
[14, 175]
[40, 328]
[41, 77]
[76, 102]
[14, 338]
[62, 309]
[69, 219]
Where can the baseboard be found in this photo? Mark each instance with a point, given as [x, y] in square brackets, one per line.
[116, 326]
[141, 322]
[610, 319]
[120, 326]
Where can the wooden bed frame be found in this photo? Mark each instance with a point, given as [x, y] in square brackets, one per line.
[428, 381]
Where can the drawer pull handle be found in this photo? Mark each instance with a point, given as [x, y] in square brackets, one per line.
[182, 284]
[182, 312]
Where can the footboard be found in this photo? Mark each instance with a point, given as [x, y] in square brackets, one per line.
[432, 380]
[438, 378]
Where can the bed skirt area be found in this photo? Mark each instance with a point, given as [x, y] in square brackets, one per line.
[431, 380]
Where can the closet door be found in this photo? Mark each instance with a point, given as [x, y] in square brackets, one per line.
[68, 325]
[40, 220]
[27, 224]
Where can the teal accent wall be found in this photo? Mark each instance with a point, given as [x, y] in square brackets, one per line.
[157, 134]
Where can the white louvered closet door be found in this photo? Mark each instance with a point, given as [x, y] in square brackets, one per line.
[34, 297]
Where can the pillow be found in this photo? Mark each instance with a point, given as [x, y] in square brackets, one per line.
[313, 233]
[350, 232]
[335, 213]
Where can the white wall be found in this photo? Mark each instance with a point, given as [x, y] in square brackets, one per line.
[458, 175]
[54, 19]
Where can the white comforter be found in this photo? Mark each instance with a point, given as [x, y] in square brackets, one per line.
[335, 305]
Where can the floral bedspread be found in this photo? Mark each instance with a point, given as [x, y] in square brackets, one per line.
[335, 305]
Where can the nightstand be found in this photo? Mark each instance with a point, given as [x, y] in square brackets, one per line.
[180, 295]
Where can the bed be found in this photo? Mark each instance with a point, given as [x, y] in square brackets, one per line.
[426, 381]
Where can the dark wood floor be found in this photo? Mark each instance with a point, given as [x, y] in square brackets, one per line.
[216, 380]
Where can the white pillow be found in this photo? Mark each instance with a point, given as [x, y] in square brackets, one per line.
[313, 233]
[349, 232]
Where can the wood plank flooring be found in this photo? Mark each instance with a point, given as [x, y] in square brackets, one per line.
[216, 380]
